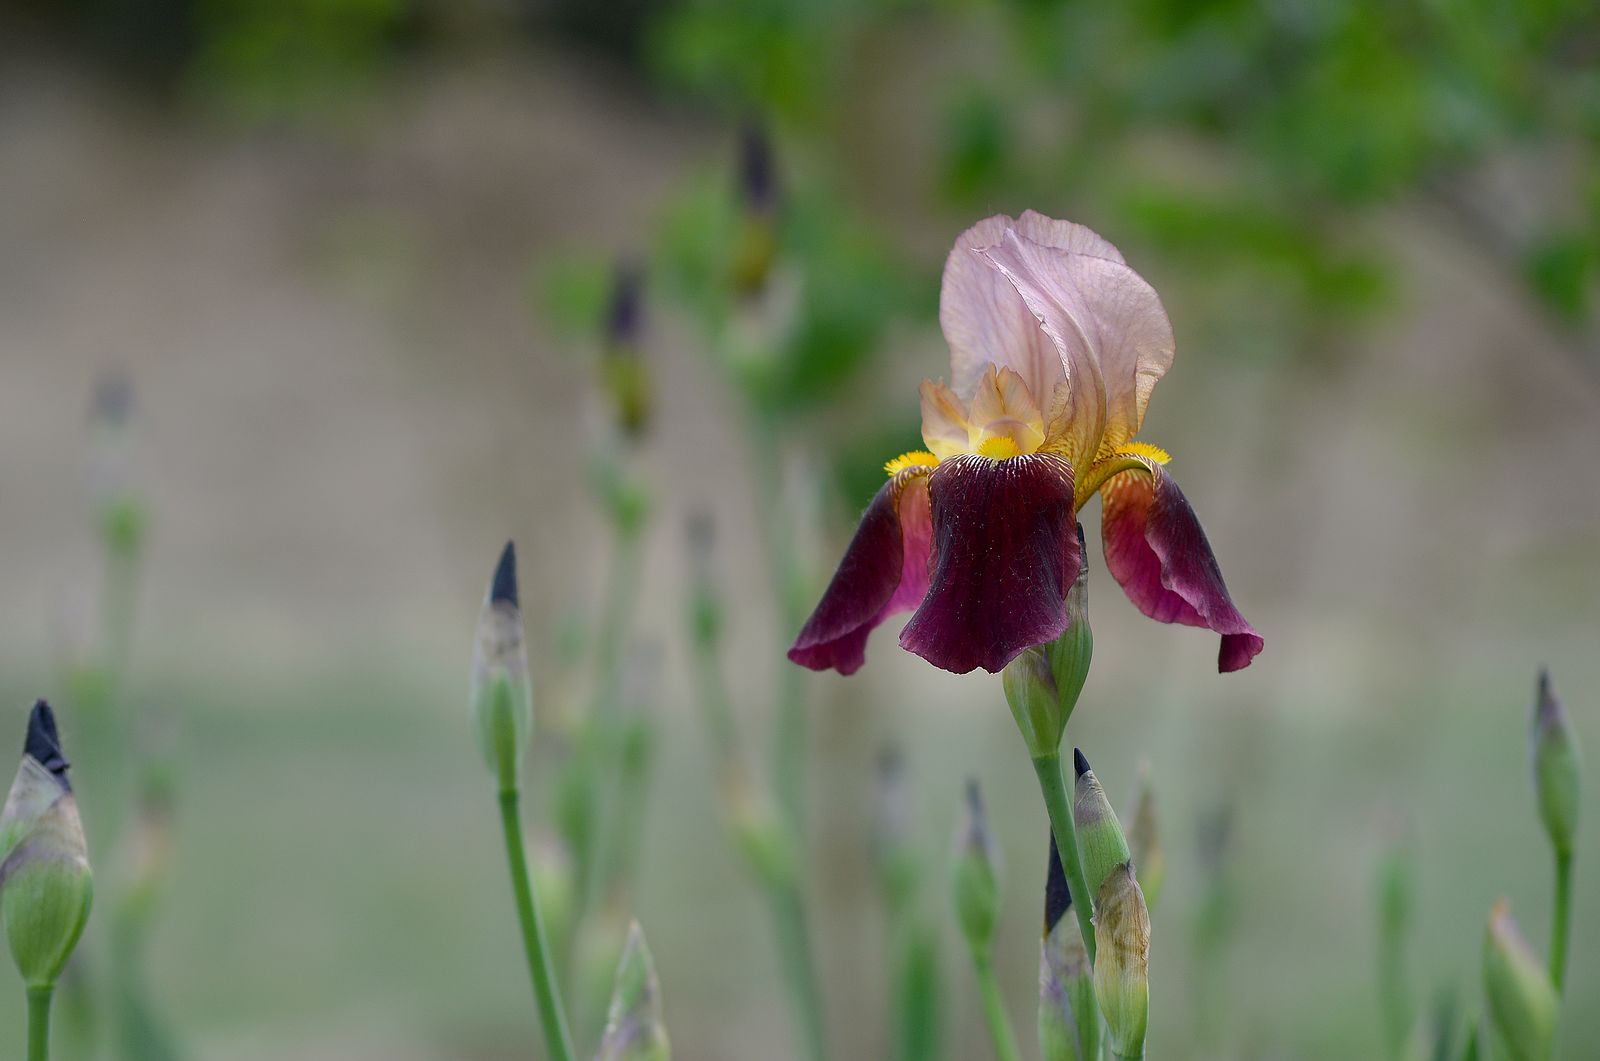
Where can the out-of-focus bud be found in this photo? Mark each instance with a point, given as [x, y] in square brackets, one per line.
[1394, 932]
[705, 605]
[1522, 1001]
[1556, 767]
[502, 699]
[1101, 845]
[894, 850]
[117, 506]
[1069, 1017]
[46, 887]
[149, 850]
[1144, 840]
[1122, 961]
[635, 1030]
[758, 829]
[623, 369]
[975, 874]
[555, 882]
[758, 189]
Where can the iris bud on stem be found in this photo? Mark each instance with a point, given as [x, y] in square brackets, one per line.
[1122, 966]
[1069, 1017]
[500, 693]
[1522, 1001]
[634, 1027]
[975, 889]
[1556, 777]
[1144, 840]
[46, 886]
[1101, 845]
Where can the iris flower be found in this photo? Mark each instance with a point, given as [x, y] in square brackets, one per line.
[1055, 347]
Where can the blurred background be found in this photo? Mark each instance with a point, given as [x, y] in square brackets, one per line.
[306, 306]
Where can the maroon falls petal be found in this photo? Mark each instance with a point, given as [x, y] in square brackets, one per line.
[1005, 553]
[884, 571]
[1157, 551]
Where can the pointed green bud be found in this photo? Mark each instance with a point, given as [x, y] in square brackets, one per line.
[46, 887]
[975, 874]
[1556, 767]
[1122, 961]
[1101, 845]
[1069, 1016]
[1144, 840]
[502, 699]
[1522, 1001]
[634, 1027]
[1042, 684]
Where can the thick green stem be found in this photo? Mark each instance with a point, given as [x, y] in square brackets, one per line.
[1561, 922]
[794, 951]
[39, 1023]
[994, 1009]
[1053, 786]
[546, 993]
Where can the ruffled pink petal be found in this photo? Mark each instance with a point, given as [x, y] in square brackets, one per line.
[1109, 327]
[1158, 552]
[884, 571]
[1005, 553]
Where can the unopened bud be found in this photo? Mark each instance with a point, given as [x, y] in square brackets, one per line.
[1101, 845]
[1069, 1017]
[1122, 961]
[635, 1030]
[624, 371]
[975, 874]
[1144, 840]
[1030, 688]
[759, 831]
[46, 887]
[758, 237]
[500, 692]
[1556, 767]
[893, 849]
[1522, 1001]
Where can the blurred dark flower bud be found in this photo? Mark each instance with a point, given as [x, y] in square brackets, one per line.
[118, 509]
[1069, 1016]
[635, 1030]
[893, 847]
[1101, 844]
[705, 606]
[1556, 767]
[500, 691]
[46, 886]
[975, 874]
[624, 371]
[1144, 840]
[758, 237]
[1122, 961]
[1522, 1001]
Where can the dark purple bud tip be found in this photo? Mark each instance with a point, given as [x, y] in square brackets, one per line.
[1079, 763]
[1083, 542]
[1057, 896]
[756, 177]
[1544, 684]
[504, 586]
[113, 399]
[974, 797]
[44, 741]
[622, 319]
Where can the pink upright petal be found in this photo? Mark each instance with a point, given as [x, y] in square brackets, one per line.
[1109, 327]
[1157, 550]
[884, 571]
[1005, 553]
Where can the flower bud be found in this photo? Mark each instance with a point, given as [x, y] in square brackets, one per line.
[46, 887]
[758, 830]
[1122, 961]
[500, 692]
[975, 874]
[894, 851]
[1069, 1017]
[1522, 1001]
[1042, 684]
[623, 371]
[758, 237]
[634, 1027]
[1144, 840]
[1101, 845]
[1556, 767]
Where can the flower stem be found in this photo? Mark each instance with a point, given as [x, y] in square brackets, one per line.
[994, 1008]
[794, 950]
[39, 1023]
[1053, 786]
[1561, 922]
[546, 993]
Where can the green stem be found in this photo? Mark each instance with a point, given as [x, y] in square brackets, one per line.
[1561, 921]
[546, 993]
[39, 1022]
[1053, 786]
[994, 1008]
[794, 951]
[621, 581]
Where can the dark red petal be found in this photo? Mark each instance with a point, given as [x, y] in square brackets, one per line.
[1157, 551]
[884, 571]
[1005, 553]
